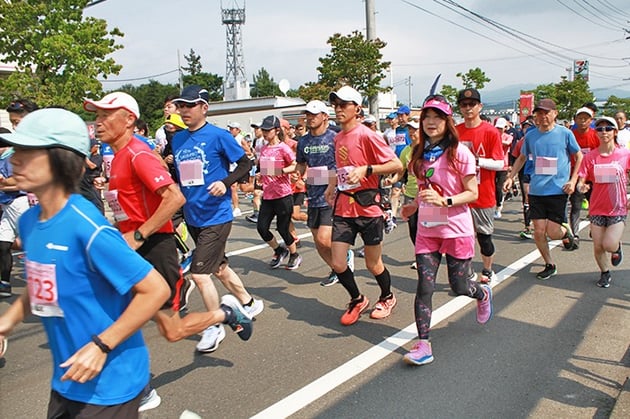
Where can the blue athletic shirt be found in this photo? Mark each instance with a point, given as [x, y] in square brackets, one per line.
[401, 131]
[6, 170]
[76, 249]
[215, 148]
[317, 151]
[549, 148]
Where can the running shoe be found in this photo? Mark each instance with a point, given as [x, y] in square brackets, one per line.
[236, 317]
[486, 276]
[383, 307]
[604, 280]
[252, 218]
[526, 234]
[420, 353]
[255, 309]
[361, 253]
[279, 255]
[585, 204]
[615, 257]
[350, 259]
[568, 239]
[332, 279]
[294, 261]
[355, 308]
[4, 344]
[497, 214]
[414, 266]
[390, 222]
[484, 306]
[150, 400]
[515, 191]
[549, 271]
[5, 289]
[576, 243]
[211, 338]
[185, 291]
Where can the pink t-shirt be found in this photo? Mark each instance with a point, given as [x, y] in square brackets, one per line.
[272, 159]
[359, 147]
[609, 176]
[447, 180]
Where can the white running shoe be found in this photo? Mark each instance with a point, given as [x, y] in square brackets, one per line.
[149, 401]
[255, 309]
[211, 338]
[350, 259]
[4, 344]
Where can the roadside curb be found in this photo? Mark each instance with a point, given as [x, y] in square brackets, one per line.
[621, 410]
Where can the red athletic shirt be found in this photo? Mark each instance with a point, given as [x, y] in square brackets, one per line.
[484, 141]
[135, 177]
[587, 141]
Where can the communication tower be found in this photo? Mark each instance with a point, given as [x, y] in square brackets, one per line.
[236, 85]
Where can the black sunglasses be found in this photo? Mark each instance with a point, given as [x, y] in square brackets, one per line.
[607, 128]
[186, 104]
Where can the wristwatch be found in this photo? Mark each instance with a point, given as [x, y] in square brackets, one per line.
[368, 171]
[137, 236]
[449, 202]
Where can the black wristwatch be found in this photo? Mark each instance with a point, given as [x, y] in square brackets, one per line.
[368, 171]
[449, 202]
[137, 236]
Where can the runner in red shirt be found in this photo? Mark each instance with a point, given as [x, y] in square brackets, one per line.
[484, 141]
[361, 155]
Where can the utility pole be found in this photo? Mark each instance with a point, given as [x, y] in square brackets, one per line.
[370, 24]
[180, 72]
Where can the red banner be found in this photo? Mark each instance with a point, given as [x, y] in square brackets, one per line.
[526, 105]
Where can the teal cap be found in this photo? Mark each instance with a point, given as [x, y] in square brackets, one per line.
[51, 128]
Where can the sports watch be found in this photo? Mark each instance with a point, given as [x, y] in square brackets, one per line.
[137, 236]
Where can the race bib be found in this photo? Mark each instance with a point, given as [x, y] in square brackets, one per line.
[191, 173]
[112, 200]
[42, 289]
[317, 175]
[430, 215]
[606, 173]
[32, 199]
[342, 179]
[398, 139]
[107, 161]
[546, 166]
[270, 166]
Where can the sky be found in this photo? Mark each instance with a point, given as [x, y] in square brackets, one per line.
[424, 38]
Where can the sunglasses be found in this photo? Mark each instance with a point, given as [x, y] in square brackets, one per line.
[342, 104]
[607, 128]
[186, 105]
[468, 104]
[15, 107]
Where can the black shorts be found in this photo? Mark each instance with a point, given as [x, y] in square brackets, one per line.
[209, 252]
[299, 198]
[317, 217]
[60, 407]
[345, 230]
[160, 250]
[548, 207]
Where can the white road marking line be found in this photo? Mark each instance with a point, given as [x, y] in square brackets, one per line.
[326, 383]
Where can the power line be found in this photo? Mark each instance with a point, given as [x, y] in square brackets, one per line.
[139, 78]
[585, 17]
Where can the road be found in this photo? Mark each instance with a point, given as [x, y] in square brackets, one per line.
[557, 348]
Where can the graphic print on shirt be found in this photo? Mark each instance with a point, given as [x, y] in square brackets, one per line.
[193, 165]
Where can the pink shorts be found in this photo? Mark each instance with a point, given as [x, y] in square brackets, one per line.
[458, 247]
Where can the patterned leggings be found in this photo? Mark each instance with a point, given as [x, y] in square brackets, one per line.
[459, 277]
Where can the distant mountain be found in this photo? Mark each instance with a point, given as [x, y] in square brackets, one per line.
[503, 97]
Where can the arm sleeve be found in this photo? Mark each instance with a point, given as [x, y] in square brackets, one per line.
[243, 167]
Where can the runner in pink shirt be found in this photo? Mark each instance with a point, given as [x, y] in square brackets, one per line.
[446, 173]
[606, 167]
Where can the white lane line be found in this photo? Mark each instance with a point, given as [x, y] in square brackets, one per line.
[326, 383]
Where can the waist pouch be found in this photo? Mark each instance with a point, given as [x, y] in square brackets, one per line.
[365, 197]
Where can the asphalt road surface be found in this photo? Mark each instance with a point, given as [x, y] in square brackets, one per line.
[556, 348]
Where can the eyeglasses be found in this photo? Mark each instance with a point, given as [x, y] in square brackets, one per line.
[186, 105]
[607, 128]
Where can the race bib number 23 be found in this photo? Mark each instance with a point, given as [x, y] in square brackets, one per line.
[42, 289]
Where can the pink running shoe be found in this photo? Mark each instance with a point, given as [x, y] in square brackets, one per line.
[420, 353]
[484, 307]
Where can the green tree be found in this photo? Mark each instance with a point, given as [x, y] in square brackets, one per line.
[353, 60]
[212, 82]
[475, 78]
[614, 104]
[264, 85]
[57, 51]
[568, 95]
[194, 63]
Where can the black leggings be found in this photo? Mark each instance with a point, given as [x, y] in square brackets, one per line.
[6, 261]
[281, 208]
[460, 275]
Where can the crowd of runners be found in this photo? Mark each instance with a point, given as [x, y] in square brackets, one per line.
[447, 181]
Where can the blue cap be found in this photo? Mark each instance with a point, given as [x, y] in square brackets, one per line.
[403, 109]
[51, 128]
[392, 115]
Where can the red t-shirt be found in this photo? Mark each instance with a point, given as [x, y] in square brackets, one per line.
[484, 141]
[587, 141]
[136, 176]
[359, 147]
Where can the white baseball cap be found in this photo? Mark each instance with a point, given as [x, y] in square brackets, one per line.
[347, 94]
[115, 100]
[316, 106]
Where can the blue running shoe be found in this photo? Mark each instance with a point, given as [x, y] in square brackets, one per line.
[236, 316]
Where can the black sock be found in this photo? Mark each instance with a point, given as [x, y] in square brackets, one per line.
[346, 279]
[385, 283]
[250, 303]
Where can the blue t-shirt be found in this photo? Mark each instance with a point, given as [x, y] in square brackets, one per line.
[146, 140]
[546, 150]
[317, 151]
[69, 256]
[400, 146]
[211, 149]
[6, 170]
